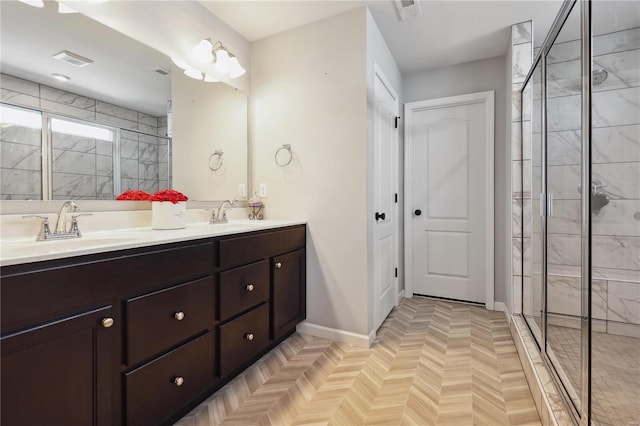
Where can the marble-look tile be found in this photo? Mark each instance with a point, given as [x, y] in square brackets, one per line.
[563, 52]
[104, 165]
[68, 110]
[615, 144]
[616, 107]
[73, 143]
[148, 138]
[564, 79]
[162, 121]
[566, 217]
[104, 188]
[27, 184]
[622, 69]
[521, 61]
[22, 135]
[527, 260]
[618, 41]
[615, 252]
[116, 111]
[162, 131]
[516, 251]
[564, 148]
[564, 250]
[129, 135]
[535, 149]
[564, 113]
[19, 85]
[563, 182]
[19, 156]
[619, 217]
[104, 148]
[147, 119]
[516, 217]
[128, 183]
[536, 182]
[163, 171]
[148, 171]
[516, 283]
[67, 98]
[148, 152]
[527, 103]
[516, 140]
[109, 120]
[129, 169]
[621, 179]
[145, 128]
[163, 184]
[624, 302]
[68, 185]
[163, 153]
[129, 149]
[521, 33]
[623, 329]
[516, 105]
[526, 213]
[521, 179]
[16, 98]
[564, 296]
[73, 162]
[149, 186]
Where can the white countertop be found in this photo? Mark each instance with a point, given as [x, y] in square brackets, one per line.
[26, 250]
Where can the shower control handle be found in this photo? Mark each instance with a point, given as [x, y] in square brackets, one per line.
[418, 212]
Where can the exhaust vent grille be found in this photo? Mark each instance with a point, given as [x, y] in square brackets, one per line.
[162, 71]
[73, 59]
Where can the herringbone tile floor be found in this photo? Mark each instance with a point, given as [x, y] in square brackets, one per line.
[433, 362]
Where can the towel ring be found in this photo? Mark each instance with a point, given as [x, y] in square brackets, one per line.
[286, 147]
[220, 161]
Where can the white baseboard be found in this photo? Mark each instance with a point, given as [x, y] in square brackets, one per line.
[500, 307]
[353, 339]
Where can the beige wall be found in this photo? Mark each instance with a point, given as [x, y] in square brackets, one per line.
[208, 117]
[309, 90]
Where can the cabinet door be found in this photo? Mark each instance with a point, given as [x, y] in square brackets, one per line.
[59, 372]
[288, 293]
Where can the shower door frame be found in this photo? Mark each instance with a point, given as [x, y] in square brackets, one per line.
[582, 414]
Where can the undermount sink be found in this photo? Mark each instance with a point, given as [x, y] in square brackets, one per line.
[31, 247]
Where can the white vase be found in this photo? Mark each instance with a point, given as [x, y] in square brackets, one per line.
[166, 215]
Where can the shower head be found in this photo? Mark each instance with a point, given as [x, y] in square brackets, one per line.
[599, 76]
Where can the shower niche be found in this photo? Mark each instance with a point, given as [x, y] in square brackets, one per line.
[581, 123]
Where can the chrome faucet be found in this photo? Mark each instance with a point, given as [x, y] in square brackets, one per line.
[215, 218]
[61, 223]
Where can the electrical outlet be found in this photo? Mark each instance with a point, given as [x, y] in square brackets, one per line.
[263, 190]
[242, 191]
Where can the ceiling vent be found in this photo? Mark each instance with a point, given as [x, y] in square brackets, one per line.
[162, 71]
[73, 59]
[408, 9]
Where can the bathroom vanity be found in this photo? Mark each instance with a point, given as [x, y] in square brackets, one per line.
[141, 335]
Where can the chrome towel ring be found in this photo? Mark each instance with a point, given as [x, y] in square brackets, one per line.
[217, 154]
[286, 162]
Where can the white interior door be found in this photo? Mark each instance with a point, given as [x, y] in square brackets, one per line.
[384, 190]
[449, 196]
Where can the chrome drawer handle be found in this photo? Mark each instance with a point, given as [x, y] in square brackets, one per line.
[179, 315]
[250, 287]
[278, 265]
[107, 322]
[249, 336]
[178, 380]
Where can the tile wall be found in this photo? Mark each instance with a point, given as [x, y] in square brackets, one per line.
[82, 168]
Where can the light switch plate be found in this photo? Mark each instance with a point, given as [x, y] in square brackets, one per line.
[242, 191]
[263, 190]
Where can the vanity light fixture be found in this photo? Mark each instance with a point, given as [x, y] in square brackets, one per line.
[61, 77]
[224, 61]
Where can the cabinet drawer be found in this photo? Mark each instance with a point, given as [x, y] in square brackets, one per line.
[152, 391]
[153, 320]
[242, 288]
[235, 346]
[247, 249]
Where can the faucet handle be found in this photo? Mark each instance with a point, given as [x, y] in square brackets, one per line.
[75, 216]
[74, 223]
[45, 219]
[45, 232]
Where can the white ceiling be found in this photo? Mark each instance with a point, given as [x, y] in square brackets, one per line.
[449, 32]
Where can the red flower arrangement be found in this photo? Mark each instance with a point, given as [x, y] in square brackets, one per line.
[134, 195]
[169, 195]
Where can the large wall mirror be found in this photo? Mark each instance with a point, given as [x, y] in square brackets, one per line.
[88, 113]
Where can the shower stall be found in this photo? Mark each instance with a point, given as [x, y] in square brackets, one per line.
[581, 131]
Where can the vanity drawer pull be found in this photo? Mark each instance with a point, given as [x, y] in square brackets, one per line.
[179, 315]
[278, 265]
[250, 287]
[178, 380]
[249, 336]
[107, 322]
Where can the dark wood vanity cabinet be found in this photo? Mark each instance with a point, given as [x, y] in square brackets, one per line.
[142, 336]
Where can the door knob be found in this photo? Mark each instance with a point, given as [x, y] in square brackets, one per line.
[107, 322]
[178, 381]
[249, 287]
[418, 212]
[179, 315]
[380, 216]
[249, 336]
[278, 265]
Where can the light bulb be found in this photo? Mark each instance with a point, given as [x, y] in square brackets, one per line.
[222, 61]
[193, 73]
[210, 79]
[179, 63]
[202, 52]
[61, 77]
[235, 69]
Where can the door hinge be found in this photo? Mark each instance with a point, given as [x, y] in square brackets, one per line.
[396, 272]
[396, 124]
[395, 197]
